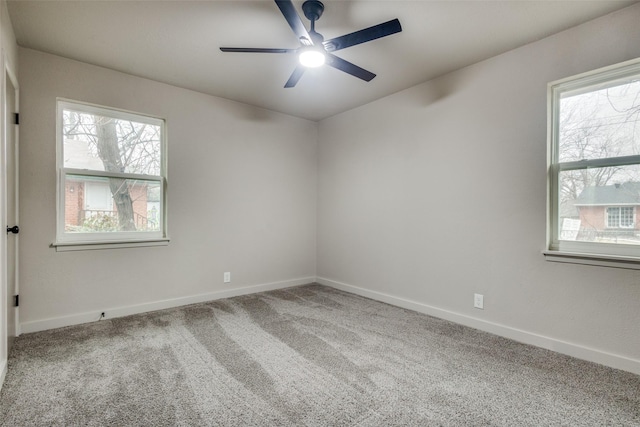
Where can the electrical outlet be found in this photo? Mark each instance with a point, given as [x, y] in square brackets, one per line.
[227, 277]
[478, 301]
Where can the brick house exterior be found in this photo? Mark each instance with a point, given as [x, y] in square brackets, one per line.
[609, 211]
[76, 210]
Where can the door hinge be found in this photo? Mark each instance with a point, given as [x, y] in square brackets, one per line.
[17, 118]
[17, 301]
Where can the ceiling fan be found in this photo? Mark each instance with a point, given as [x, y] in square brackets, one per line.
[314, 50]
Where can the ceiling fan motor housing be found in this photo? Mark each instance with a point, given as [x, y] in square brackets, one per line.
[312, 9]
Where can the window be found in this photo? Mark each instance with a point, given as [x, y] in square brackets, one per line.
[111, 176]
[594, 163]
[620, 217]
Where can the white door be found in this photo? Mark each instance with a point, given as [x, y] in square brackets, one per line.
[10, 165]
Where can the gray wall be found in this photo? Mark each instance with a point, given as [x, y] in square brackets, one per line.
[9, 46]
[438, 192]
[242, 198]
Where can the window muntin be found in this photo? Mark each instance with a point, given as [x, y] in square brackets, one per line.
[111, 175]
[594, 165]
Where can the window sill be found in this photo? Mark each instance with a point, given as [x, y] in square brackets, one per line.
[87, 246]
[614, 261]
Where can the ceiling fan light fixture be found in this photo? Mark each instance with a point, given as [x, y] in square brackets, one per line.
[312, 58]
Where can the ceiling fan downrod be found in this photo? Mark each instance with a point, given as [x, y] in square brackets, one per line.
[313, 11]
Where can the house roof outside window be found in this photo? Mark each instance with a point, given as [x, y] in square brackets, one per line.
[627, 193]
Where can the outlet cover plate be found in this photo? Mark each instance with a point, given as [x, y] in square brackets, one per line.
[478, 301]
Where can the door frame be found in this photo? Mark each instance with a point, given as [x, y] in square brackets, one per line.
[7, 73]
[16, 155]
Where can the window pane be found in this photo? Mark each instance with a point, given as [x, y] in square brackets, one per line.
[599, 205]
[626, 217]
[613, 217]
[600, 124]
[102, 143]
[99, 205]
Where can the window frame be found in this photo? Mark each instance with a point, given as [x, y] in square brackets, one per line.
[81, 241]
[595, 253]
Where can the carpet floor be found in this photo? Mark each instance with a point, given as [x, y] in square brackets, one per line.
[303, 356]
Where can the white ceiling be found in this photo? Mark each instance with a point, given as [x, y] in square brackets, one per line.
[177, 42]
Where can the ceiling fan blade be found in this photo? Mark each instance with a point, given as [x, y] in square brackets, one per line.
[362, 36]
[256, 50]
[295, 76]
[289, 11]
[349, 68]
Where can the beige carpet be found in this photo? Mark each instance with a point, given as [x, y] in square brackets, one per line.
[308, 355]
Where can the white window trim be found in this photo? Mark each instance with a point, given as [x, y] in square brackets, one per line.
[90, 241]
[600, 254]
[94, 245]
[592, 259]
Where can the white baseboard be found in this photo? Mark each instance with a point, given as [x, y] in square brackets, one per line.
[570, 349]
[110, 313]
